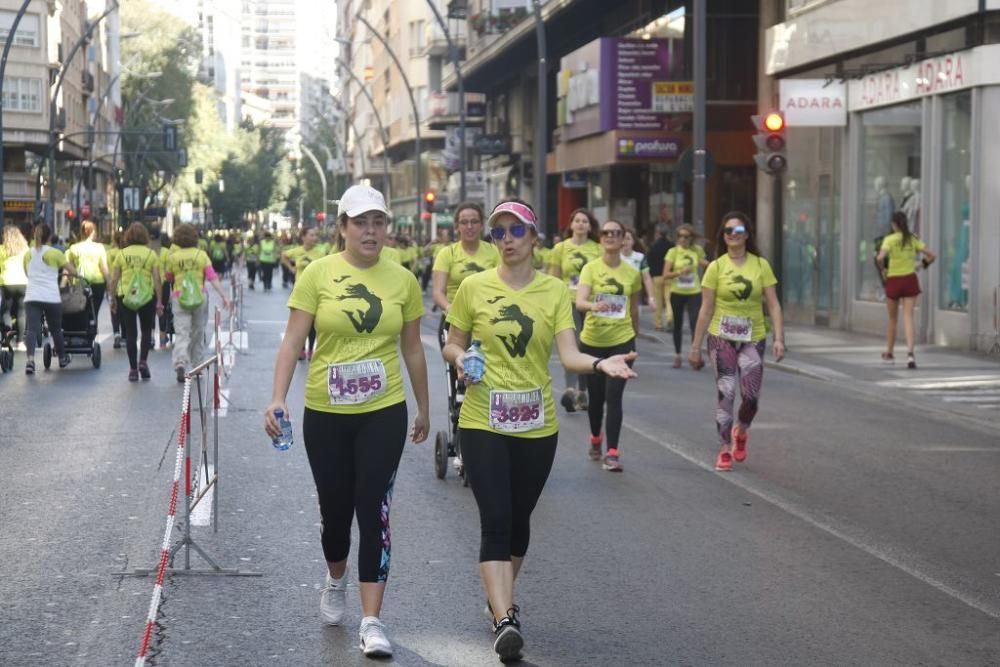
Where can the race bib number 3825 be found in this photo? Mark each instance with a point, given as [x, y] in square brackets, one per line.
[517, 411]
[356, 382]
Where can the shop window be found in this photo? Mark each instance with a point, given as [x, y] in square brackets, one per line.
[956, 169]
[891, 155]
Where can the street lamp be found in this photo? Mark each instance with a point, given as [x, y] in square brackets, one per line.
[413, 103]
[319, 170]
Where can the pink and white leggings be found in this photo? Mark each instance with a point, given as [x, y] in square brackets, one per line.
[736, 362]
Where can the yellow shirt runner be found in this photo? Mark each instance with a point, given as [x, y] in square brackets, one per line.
[739, 311]
[616, 286]
[459, 265]
[571, 258]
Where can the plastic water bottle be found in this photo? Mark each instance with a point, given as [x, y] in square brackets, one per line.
[475, 362]
[285, 441]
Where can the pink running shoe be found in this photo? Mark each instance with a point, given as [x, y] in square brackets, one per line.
[740, 438]
[725, 462]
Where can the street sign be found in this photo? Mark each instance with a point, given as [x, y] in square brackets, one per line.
[493, 144]
[673, 97]
[169, 138]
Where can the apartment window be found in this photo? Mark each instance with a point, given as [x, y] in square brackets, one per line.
[27, 29]
[22, 95]
[416, 37]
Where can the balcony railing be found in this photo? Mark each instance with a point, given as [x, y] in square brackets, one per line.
[497, 21]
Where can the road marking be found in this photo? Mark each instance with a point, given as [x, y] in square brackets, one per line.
[995, 400]
[828, 527]
[201, 515]
[992, 450]
[964, 382]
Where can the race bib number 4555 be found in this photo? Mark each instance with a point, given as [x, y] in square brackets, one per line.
[357, 382]
[517, 411]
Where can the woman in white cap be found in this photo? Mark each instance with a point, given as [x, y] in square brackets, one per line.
[508, 420]
[354, 426]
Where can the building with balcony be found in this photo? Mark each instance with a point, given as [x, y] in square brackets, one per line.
[618, 116]
[43, 53]
[889, 107]
[414, 36]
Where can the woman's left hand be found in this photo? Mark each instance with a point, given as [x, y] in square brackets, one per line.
[779, 350]
[651, 301]
[617, 366]
[159, 308]
[421, 427]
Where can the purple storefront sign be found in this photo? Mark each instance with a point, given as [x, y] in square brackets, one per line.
[609, 84]
[628, 69]
[665, 148]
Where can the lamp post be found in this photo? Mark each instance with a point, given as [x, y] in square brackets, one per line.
[3, 70]
[453, 56]
[541, 123]
[413, 103]
[50, 214]
[381, 127]
[349, 118]
[319, 170]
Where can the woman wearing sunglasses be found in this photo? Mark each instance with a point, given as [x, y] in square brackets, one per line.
[367, 312]
[508, 423]
[733, 292]
[609, 296]
[683, 265]
[567, 261]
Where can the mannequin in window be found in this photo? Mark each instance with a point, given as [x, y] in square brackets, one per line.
[884, 206]
[905, 192]
[912, 206]
[958, 271]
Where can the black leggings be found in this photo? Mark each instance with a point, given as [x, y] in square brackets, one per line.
[354, 459]
[165, 322]
[267, 273]
[13, 299]
[53, 317]
[507, 474]
[97, 291]
[132, 321]
[680, 303]
[604, 389]
[252, 272]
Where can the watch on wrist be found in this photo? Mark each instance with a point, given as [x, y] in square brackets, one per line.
[596, 362]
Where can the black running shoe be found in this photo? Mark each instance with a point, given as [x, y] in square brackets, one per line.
[64, 361]
[508, 642]
[29, 367]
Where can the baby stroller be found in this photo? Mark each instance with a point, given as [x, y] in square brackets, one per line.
[79, 323]
[7, 336]
[449, 443]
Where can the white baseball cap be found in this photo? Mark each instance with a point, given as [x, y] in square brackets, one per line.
[359, 199]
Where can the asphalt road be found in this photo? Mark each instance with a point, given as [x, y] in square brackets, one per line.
[858, 532]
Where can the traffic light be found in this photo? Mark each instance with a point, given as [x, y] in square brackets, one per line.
[429, 199]
[770, 142]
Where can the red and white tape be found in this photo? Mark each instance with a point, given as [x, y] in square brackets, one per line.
[161, 570]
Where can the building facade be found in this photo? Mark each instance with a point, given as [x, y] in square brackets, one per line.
[888, 111]
[88, 98]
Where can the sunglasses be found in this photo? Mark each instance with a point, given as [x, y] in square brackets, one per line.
[733, 231]
[614, 233]
[683, 236]
[517, 230]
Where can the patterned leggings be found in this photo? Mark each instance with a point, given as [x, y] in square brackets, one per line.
[742, 362]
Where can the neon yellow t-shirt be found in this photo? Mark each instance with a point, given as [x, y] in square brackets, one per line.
[134, 258]
[739, 293]
[53, 257]
[459, 264]
[517, 328]
[391, 254]
[182, 260]
[305, 257]
[436, 248]
[203, 245]
[570, 258]
[86, 256]
[359, 314]
[541, 258]
[217, 250]
[902, 258]
[679, 257]
[616, 286]
[292, 252]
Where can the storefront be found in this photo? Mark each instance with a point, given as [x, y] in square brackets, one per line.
[919, 139]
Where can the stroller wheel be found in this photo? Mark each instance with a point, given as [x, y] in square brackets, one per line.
[95, 355]
[6, 361]
[441, 455]
[47, 355]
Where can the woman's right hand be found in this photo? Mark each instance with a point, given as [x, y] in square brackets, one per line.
[600, 306]
[460, 368]
[271, 425]
[694, 358]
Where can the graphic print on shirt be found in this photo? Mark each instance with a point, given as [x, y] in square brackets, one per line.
[740, 286]
[494, 299]
[363, 321]
[340, 279]
[516, 343]
[472, 267]
[609, 281]
[579, 259]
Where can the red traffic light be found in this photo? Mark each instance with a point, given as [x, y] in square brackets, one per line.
[320, 216]
[70, 214]
[774, 122]
[429, 197]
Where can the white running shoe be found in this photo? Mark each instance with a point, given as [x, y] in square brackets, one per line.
[374, 643]
[333, 600]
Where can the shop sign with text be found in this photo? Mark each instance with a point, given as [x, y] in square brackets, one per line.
[813, 102]
[649, 148]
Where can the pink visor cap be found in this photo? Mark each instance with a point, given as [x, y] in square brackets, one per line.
[519, 211]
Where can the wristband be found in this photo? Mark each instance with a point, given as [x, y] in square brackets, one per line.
[596, 369]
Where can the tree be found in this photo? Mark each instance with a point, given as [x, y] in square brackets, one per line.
[256, 176]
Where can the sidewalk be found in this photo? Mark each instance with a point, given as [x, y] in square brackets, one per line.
[963, 383]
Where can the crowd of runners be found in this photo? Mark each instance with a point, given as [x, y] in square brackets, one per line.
[354, 315]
